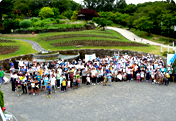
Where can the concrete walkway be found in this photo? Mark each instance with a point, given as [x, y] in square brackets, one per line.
[35, 45]
[132, 37]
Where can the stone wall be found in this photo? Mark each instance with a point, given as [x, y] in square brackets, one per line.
[99, 52]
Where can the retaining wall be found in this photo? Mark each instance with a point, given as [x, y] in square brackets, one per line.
[99, 52]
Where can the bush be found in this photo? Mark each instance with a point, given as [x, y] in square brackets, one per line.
[34, 19]
[91, 22]
[74, 16]
[1, 99]
[165, 53]
[58, 21]
[25, 24]
[38, 23]
[62, 17]
[10, 24]
[68, 14]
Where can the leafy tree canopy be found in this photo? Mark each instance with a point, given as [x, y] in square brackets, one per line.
[46, 12]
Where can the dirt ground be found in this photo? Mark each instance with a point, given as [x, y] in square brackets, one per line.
[8, 49]
[97, 43]
[18, 35]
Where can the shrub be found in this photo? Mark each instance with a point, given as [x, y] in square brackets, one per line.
[91, 22]
[68, 14]
[74, 16]
[62, 17]
[1, 99]
[38, 23]
[34, 19]
[25, 24]
[58, 21]
[10, 24]
[165, 53]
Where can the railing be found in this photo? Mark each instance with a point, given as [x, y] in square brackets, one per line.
[7, 117]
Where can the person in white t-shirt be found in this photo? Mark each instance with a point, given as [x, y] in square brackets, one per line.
[53, 83]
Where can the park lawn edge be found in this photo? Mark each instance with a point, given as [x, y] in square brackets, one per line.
[25, 48]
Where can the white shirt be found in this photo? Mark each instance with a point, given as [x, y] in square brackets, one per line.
[53, 79]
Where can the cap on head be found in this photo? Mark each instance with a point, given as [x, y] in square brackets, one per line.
[3, 108]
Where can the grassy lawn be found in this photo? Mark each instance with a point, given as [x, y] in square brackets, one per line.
[25, 48]
[153, 37]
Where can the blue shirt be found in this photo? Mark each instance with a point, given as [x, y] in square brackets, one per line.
[49, 88]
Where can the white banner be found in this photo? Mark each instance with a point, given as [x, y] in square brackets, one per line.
[89, 57]
[169, 57]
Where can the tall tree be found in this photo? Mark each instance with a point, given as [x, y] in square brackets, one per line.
[6, 7]
[89, 13]
[120, 5]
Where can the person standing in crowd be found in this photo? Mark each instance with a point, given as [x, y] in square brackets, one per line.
[58, 79]
[94, 75]
[23, 83]
[1, 76]
[53, 83]
[49, 90]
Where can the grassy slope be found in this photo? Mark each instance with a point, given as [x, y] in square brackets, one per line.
[25, 48]
[46, 44]
[153, 37]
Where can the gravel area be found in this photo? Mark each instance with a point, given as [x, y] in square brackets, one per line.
[127, 101]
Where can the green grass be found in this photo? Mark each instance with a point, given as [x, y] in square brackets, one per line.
[25, 48]
[153, 37]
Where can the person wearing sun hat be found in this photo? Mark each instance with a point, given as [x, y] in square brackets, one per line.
[1, 76]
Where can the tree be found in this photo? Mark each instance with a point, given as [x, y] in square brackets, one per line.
[120, 5]
[6, 7]
[144, 23]
[74, 16]
[46, 12]
[68, 14]
[56, 12]
[89, 13]
[62, 5]
[102, 22]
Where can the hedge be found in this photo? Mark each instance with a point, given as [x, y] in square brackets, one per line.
[1, 99]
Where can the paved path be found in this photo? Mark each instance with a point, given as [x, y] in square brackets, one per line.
[123, 101]
[131, 36]
[35, 45]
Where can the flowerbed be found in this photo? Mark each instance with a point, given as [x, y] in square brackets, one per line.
[8, 49]
[96, 43]
[75, 35]
[6, 41]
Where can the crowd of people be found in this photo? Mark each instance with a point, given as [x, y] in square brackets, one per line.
[33, 77]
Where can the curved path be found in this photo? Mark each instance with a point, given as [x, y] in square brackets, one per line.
[35, 45]
[131, 36]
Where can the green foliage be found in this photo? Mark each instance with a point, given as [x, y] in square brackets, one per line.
[68, 14]
[1, 99]
[58, 21]
[62, 17]
[91, 22]
[56, 12]
[165, 53]
[102, 22]
[46, 12]
[5, 16]
[10, 24]
[39, 23]
[25, 23]
[74, 16]
[34, 19]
